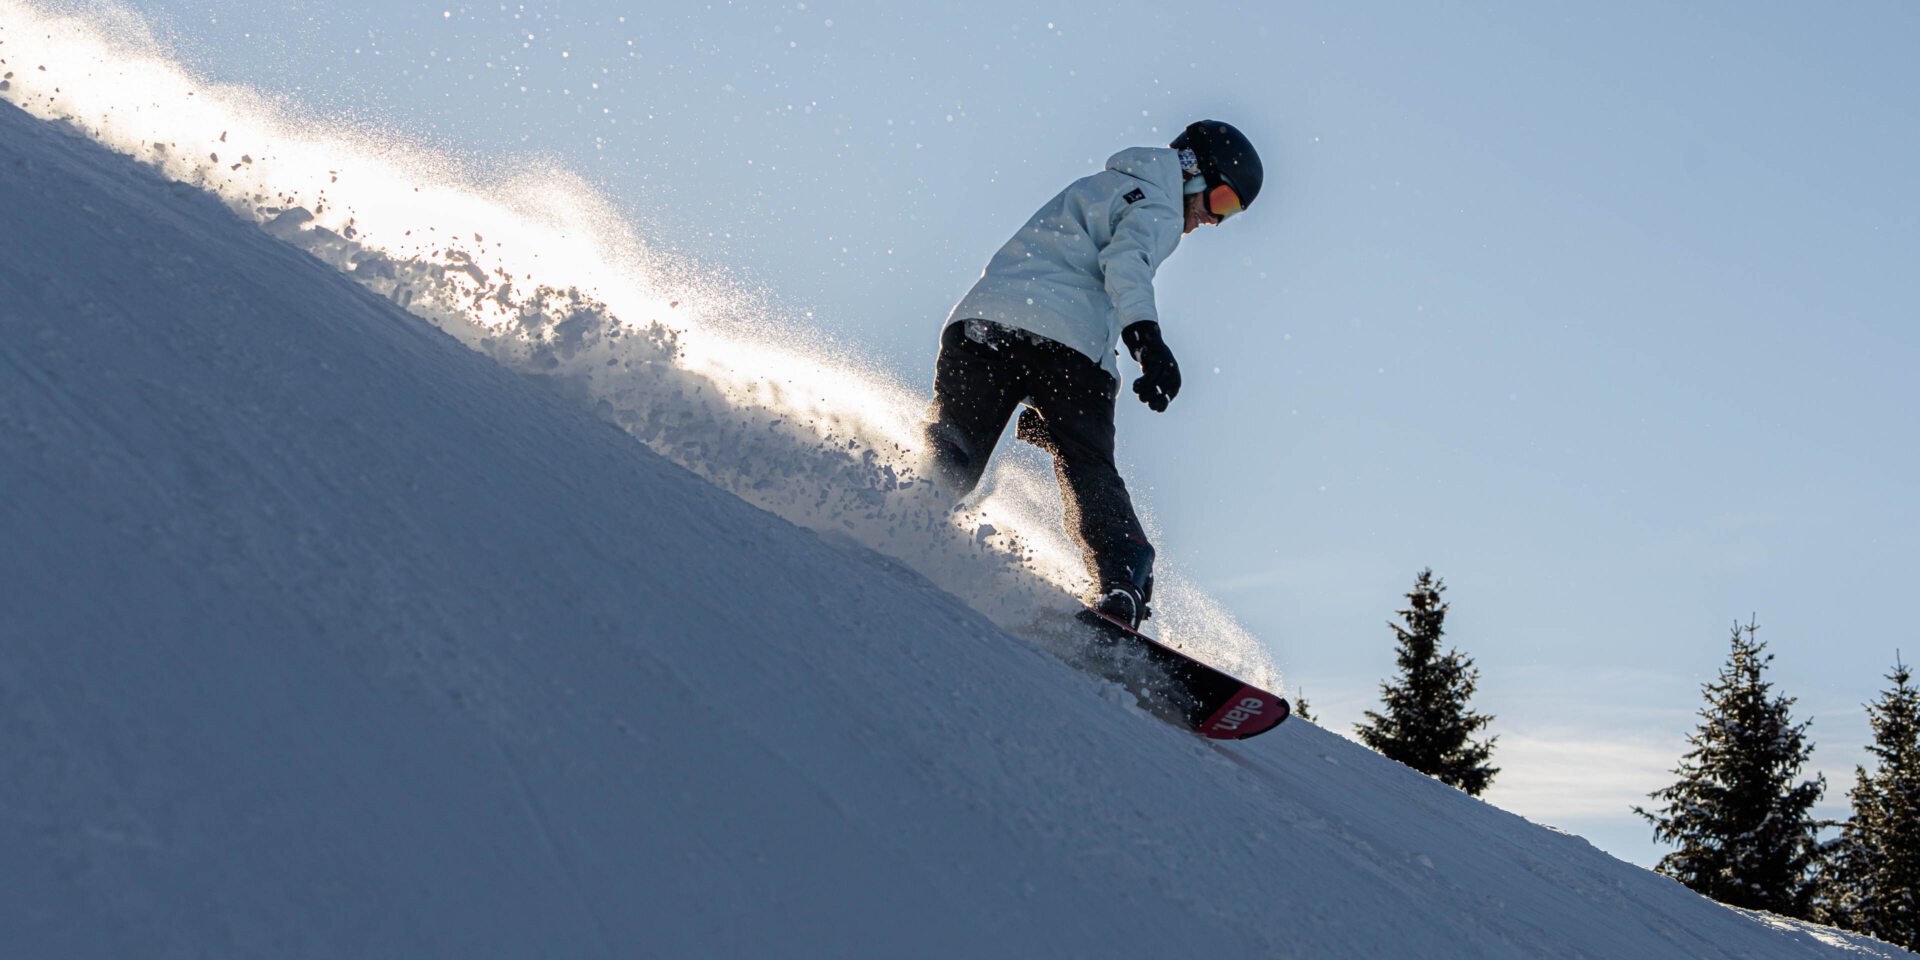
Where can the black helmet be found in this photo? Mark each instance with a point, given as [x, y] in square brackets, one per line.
[1225, 155]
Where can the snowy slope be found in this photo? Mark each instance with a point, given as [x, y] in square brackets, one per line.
[535, 270]
[324, 635]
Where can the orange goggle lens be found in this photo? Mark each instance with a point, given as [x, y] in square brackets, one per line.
[1222, 202]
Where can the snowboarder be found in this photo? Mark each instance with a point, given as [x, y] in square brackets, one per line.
[1040, 327]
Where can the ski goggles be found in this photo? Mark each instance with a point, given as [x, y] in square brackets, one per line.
[1222, 202]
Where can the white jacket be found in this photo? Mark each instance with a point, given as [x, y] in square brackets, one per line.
[1082, 269]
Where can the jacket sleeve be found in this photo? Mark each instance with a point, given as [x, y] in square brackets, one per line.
[1144, 237]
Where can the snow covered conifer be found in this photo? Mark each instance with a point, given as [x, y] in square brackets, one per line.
[1743, 827]
[1874, 880]
[1426, 724]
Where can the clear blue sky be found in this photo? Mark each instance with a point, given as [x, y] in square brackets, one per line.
[1604, 313]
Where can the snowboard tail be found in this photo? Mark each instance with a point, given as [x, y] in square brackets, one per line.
[1178, 688]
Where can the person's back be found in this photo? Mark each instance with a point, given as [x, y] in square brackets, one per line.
[1081, 269]
[1040, 327]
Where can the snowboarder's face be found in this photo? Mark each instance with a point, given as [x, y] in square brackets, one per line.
[1197, 212]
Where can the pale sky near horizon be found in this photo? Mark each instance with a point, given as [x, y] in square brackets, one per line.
[1606, 314]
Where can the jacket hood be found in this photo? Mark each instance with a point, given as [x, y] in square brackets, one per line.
[1159, 166]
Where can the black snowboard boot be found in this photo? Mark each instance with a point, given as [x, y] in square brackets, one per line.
[1124, 601]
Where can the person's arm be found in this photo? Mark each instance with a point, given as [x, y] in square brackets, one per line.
[1145, 235]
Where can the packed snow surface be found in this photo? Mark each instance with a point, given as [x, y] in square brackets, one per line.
[322, 634]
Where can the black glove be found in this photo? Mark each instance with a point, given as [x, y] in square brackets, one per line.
[1159, 380]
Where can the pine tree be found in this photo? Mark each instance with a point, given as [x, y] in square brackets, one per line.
[1874, 882]
[1427, 725]
[1744, 830]
[1300, 708]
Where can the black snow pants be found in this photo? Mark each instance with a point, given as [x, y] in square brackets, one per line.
[985, 371]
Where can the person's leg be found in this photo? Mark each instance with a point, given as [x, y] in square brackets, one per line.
[976, 386]
[1074, 399]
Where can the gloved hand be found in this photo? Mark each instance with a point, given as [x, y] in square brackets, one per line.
[1159, 380]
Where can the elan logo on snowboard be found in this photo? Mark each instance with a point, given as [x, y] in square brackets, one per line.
[1246, 709]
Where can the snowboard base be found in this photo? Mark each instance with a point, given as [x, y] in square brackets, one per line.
[1175, 687]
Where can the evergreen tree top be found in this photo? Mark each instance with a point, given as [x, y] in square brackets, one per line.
[1896, 717]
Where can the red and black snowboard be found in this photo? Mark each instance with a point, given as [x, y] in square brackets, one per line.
[1176, 687]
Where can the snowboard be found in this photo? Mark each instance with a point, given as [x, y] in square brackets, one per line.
[1175, 687]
